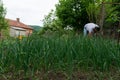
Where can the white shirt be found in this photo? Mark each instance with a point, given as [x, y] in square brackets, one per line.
[89, 27]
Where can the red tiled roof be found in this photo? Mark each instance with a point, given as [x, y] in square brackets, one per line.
[19, 24]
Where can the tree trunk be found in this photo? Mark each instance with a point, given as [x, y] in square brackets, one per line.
[0, 35]
[102, 16]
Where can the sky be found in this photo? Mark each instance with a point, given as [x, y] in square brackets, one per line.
[30, 12]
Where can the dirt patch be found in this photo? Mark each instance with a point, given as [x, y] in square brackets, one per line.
[61, 75]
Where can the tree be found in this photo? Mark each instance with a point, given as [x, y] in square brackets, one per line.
[93, 10]
[72, 13]
[3, 22]
[117, 5]
[103, 12]
[51, 22]
[76, 13]
[111, 12]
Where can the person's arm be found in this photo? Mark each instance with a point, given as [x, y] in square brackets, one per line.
[90, 34]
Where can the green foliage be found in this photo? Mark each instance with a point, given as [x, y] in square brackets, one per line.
[117, 8]
[47, 21]
[70, 13]
[64, 53]
[76, 13]
[118, 30]
[67, 53]
[93, 11]
[5, 32]
[51, 24]
[113, 17]
[3, 22]
[111, 13]
[51, 21]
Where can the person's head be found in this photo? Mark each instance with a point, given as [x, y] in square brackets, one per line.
[96, 29]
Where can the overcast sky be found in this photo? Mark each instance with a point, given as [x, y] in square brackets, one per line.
[30, 12]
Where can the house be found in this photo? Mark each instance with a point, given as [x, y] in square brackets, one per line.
[17, 28]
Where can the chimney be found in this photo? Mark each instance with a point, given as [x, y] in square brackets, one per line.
[18, 19]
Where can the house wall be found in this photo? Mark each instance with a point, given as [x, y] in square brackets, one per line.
[28, 32]
[15, 32]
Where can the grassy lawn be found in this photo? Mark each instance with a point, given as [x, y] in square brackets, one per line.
[59, 58]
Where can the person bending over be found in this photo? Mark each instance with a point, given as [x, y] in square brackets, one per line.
[91, 29]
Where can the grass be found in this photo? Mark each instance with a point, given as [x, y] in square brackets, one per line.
[54, 56]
